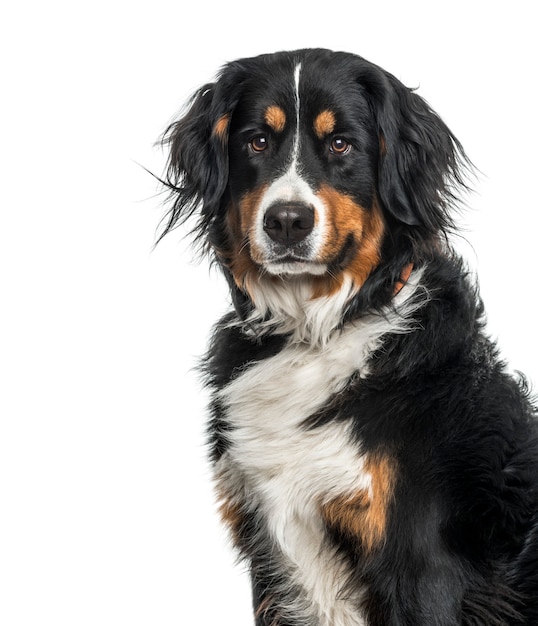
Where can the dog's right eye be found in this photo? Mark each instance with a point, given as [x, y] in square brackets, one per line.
[258, 143]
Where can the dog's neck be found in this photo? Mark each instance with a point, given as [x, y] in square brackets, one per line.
[286, 306]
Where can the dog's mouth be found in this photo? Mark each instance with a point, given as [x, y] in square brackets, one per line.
[294, 265]
[293, 262]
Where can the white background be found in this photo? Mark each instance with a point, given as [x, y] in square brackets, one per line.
[106, 509]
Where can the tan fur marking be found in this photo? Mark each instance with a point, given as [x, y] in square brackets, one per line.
[324, 124]
[344, 218]
[230, 512]
[382, 145]
[404, 277]
[369, 253]
[275, 117]
[266, 609]
[241, 258]
[324, 286]
[232, 517]
[220, 129]
[363, 516]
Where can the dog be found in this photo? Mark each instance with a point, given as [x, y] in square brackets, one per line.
[374, 461]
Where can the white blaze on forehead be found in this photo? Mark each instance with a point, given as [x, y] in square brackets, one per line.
[291, 186]
[296, 76]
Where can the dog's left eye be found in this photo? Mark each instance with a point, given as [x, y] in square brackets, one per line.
[258, 143]
[339, 146]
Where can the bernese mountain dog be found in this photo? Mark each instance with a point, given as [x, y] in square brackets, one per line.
[374, 461]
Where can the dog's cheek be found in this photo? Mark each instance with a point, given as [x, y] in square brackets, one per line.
[240, 225]
[368, 254]
[344, 217]
[347, 221]
[248, 209]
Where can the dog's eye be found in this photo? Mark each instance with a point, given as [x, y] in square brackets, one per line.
[258, 143]
[339, 146]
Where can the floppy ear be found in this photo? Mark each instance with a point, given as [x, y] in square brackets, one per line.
[197, 168]
[421, 162]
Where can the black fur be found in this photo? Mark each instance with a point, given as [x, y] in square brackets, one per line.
[461, 545]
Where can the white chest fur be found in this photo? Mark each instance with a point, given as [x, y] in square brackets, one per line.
[290, 471]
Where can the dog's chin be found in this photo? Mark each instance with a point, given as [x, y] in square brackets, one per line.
[295, 268]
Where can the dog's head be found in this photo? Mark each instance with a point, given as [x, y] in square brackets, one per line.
[312, 168]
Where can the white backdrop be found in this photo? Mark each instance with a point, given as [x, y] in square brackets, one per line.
[106, 510]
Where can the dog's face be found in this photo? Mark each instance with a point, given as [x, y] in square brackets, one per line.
[303, 156]
[311, 169]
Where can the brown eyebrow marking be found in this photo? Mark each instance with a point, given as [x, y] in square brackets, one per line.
[275, 117]
[324, 123]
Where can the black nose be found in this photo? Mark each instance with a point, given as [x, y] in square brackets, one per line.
[288, 223]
